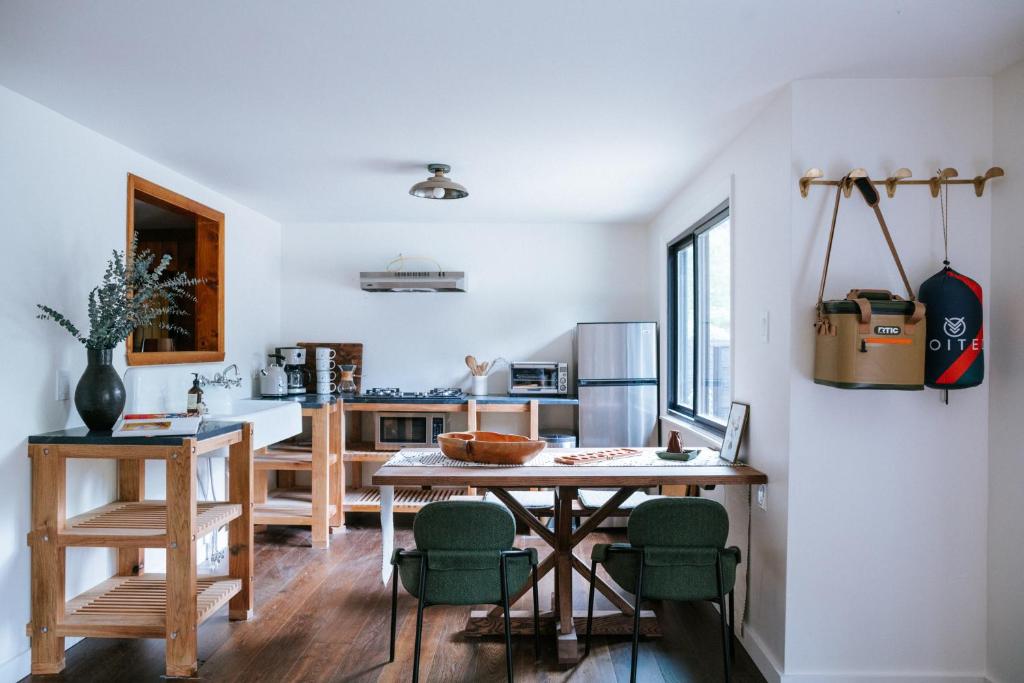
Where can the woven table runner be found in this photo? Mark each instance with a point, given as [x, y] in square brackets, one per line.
[416, 457]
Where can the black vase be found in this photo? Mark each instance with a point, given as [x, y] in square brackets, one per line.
[99, 396]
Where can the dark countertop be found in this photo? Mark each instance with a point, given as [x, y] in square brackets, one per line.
[83, 436]
[490, 398]
[306, 400]
[321, 400]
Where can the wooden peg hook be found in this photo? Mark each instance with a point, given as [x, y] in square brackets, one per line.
[806, 178]
[848, 181]
[894, 179]
[936, 183]
[979, 181]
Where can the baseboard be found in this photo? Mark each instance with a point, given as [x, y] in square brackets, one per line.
[882, 678]
[761, 656]
[20, 665]
[17, 667]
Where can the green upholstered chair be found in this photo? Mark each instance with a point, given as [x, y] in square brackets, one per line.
[676, 551]
[464, 556]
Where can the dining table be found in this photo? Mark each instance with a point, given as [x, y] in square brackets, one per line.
[425, 467]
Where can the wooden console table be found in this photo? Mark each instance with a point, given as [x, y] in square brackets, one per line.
[133, 604]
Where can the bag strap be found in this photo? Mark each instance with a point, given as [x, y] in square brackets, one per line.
[871, 197]
[828, 250]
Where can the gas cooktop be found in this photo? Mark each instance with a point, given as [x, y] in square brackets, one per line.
[395, 392]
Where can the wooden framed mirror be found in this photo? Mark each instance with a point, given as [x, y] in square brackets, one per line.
[193, 234]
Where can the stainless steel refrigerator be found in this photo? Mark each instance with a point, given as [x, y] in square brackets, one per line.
[617, 383]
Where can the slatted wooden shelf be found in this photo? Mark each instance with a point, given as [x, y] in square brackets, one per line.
[140, 524]
[368, 456]
[135, 606]
[277, 458]
[287, 506]
[406, 499]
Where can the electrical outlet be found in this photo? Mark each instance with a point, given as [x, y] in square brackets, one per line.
[762, 497]
[764, 327]
[63, 388]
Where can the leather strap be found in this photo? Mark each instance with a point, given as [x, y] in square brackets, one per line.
[871, 197]
[828, 249]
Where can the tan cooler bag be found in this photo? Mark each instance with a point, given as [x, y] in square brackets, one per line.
[872, 339]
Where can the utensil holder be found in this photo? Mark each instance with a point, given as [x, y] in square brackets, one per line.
[479, 387]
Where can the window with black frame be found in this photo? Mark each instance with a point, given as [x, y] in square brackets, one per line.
[699, 326]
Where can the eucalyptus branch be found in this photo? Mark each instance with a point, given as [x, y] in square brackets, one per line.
[133, 293]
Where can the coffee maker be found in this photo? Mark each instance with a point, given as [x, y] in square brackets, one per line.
[294, 368]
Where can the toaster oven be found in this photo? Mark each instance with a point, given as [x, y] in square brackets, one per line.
[525, 379]
[395, 431]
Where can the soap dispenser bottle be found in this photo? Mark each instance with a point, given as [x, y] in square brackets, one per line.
[195, 398]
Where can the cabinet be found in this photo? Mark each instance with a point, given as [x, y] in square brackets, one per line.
[134, 604]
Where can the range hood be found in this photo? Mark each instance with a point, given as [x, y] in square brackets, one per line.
[413, 281]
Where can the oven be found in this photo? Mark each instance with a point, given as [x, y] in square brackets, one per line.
[394, 431]
[525, 379]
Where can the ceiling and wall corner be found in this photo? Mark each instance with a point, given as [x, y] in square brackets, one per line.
[1005, 330]
[571, 112]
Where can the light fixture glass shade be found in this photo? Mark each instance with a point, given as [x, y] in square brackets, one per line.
[438, 186]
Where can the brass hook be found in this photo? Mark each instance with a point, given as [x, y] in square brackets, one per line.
[979, 181]
[936, 183]
[892, 181]
[848, 180]
[806, 178]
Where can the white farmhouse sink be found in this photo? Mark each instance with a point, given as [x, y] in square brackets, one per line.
[273, 421]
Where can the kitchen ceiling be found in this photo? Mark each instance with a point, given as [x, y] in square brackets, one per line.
[584, 111]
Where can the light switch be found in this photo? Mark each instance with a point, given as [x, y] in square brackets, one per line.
[762, 497]
[764, 327]
[63, 388]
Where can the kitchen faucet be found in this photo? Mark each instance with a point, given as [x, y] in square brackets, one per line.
[221, 379]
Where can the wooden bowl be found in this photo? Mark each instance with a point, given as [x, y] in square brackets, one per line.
[491, 448]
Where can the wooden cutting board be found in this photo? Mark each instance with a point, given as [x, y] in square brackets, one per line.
[346, 353]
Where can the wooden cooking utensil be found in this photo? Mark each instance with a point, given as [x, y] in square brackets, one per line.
[471, 364]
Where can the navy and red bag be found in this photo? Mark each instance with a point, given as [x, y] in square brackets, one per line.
[955, 352]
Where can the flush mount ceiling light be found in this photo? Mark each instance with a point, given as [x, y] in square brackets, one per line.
[439, 186]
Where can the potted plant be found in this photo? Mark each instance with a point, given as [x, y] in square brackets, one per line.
[136, 291]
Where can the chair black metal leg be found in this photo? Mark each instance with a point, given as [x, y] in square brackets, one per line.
[536, 616]
[732, 626]
[422, 586]
[636, 618]
[508, 619]
[720, 580]
[394, 612]
[590, 605]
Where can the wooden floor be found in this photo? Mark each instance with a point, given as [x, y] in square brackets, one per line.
[322, 615]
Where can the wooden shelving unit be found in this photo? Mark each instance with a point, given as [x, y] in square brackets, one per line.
[358, 498]
[133, 604]
[318, 506]
[409, 499]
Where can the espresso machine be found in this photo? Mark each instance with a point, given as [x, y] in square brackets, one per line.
[294, 368]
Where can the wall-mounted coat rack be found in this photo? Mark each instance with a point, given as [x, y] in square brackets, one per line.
[902, 176]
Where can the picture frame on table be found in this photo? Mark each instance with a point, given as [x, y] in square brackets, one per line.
[734, 431]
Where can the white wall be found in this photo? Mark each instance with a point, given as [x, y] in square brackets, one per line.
[63, 189]
[528, 287]
[1005, 328]
[888, 490]
[752, 172]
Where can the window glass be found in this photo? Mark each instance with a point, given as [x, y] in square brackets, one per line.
[684, 327]
[699, 321]
[715, 393]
